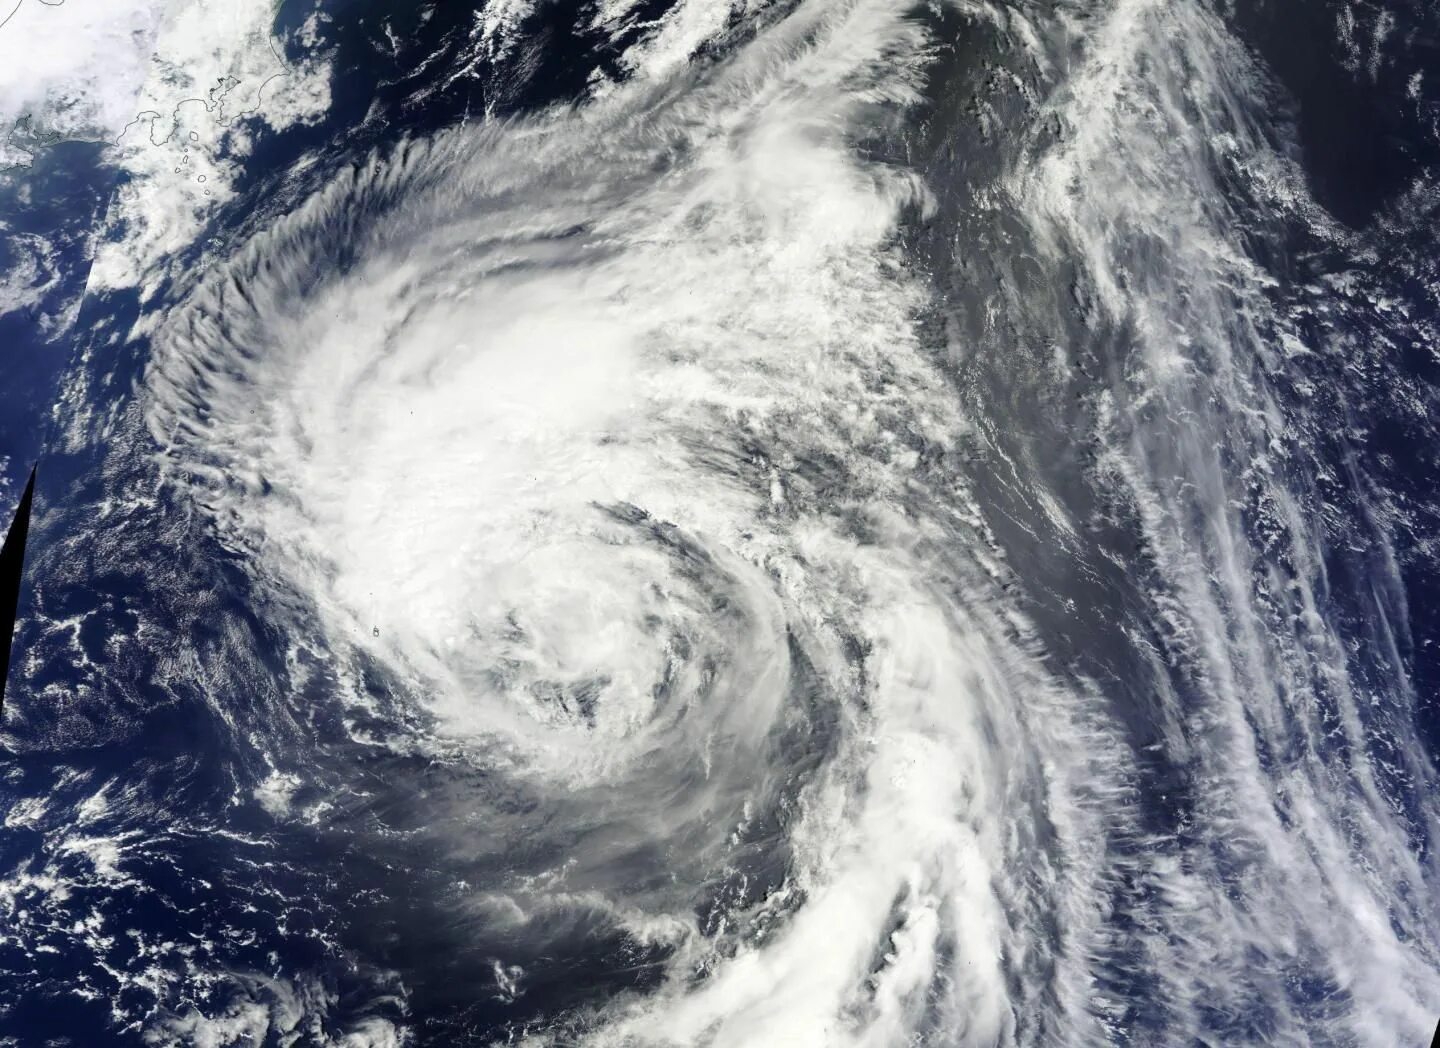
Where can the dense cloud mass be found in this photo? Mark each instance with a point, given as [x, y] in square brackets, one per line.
[849, 525]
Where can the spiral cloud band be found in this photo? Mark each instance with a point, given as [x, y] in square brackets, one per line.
[612, 455]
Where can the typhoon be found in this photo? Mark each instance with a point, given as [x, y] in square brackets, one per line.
[823, 523]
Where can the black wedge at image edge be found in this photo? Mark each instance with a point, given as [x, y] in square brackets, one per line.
[12, 564]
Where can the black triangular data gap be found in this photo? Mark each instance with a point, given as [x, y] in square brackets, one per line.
[12, 568]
